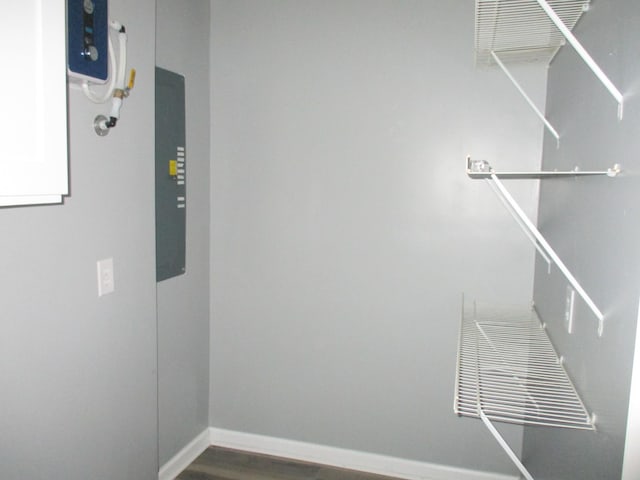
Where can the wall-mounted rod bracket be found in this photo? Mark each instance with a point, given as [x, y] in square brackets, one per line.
[482, 169]
[580, 50]
[478, 169]
[527, 98]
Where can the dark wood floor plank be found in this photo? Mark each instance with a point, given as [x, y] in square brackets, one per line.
[217, 463]
[327, 473]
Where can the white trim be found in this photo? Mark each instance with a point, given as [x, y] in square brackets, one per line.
[631, 462]
[184, 457]
[350, 459]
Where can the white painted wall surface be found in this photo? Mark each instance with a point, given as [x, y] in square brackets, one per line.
[78, 372]
[344, 229]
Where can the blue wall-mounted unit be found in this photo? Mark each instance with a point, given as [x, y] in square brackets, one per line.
[88, 40]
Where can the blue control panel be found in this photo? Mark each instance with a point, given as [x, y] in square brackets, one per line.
[88, 40]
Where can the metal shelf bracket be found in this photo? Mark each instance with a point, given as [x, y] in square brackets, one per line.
[580, 50]
[527, 98]
[505, 446]
[481, 169]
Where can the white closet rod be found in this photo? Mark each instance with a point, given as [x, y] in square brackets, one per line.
[526, 97]
[478, 169]
[550, 252]
[584, 54]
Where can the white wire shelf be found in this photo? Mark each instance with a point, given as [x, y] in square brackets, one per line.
[520, 30]
[517, 31]
[508, 371]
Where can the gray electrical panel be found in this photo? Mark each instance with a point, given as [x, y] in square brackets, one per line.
[171, 159]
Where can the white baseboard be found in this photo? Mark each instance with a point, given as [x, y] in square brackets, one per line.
[184, 457]
[343, 458]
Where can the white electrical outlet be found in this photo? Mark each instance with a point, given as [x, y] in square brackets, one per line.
[106, 279]
[569, 308]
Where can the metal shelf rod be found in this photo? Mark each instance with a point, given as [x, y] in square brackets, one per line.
[527, 98]
[584, 55]
[478, 169]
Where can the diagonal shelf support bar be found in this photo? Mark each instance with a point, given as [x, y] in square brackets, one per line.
[527, 98]
[550, 252]
[553, 16]
[523, 227]
[505, 446]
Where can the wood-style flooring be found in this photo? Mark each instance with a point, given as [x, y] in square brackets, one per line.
[224, 464]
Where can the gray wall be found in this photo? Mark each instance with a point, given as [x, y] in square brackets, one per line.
[344, 229]
[78, 372]
[182, 46]
[593, 224]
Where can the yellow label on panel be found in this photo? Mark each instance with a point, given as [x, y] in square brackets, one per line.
[173, 168]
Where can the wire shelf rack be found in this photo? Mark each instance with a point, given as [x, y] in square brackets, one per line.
[509, 371]
[520, 30]
[516, 31]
